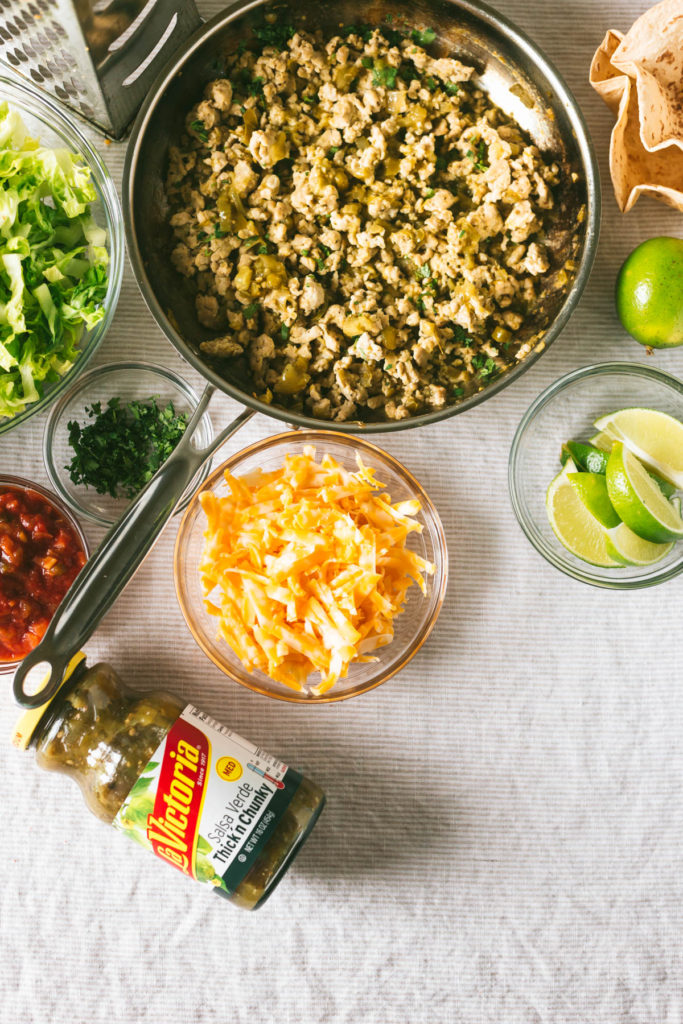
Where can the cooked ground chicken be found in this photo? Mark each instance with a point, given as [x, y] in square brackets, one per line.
[363, 227]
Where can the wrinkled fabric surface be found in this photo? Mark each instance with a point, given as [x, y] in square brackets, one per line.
[503, 842]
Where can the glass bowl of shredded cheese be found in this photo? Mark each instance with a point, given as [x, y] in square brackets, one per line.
[311, 566]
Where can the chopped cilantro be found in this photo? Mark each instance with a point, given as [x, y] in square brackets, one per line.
[429, 193]
[284, 332]
[124, 445]
[462, 233]
[255, 86]
[458, 390]
[392, 36]
[423, 271]
[310, 99]
[424, 38]
[364, 32]
[254, 240]
[305, 252]
[485, 365]
[274, 35]
[408, 72]
[218, 233]
[478, 158]
[332, 150]
[452, 88]
[460, 335]
[367, 62]
[251, 310]
[199, 130]
[431, 84]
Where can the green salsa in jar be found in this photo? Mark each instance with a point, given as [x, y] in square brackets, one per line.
[218, 808]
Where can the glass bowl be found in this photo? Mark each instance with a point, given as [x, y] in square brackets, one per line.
[566, 411]
[126, 381]
[21, 484]
[46, 122]
[412, 626]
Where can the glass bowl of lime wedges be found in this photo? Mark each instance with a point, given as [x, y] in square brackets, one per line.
[596, 475]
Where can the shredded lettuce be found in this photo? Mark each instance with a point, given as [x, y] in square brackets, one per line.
[53, 263]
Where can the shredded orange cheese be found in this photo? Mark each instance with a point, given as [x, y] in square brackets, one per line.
[306, 567]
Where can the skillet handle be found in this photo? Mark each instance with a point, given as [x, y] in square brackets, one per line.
[106, 573]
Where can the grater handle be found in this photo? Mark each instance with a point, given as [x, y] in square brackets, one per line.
[128, 77]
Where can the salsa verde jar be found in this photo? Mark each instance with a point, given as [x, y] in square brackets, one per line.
[216, 807]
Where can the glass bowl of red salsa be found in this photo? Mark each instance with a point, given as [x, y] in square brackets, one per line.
[42, 550]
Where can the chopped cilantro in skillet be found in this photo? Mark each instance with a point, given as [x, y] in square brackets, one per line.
[275, 35]
[199, 130]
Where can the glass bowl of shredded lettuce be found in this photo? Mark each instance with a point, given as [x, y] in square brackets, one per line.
[61, 252]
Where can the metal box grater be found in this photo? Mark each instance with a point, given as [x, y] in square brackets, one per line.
[98, 57]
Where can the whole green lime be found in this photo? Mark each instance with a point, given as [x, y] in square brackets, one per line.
[649, 293]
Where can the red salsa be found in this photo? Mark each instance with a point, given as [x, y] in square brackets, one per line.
[40, 557]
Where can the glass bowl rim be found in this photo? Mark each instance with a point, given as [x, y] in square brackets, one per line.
[428, 507]
[546, 396]
[25, 97]
[23, 483]
[79, 384]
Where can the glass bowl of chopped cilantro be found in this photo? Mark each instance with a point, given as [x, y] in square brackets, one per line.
[61, 252]
[107, 435]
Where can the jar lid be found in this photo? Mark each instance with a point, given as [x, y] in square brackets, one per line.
[25, 726]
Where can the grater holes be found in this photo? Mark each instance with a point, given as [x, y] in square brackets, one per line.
[12, 59]
[54, 66]
[52, 35]
[36, 76]
[19, 22]
[4, 34]
[19, 54]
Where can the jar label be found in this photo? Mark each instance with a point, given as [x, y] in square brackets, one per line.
[208, 801]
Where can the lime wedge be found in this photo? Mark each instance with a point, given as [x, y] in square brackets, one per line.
[573, 525]
[638, 500]
[602, 440]
[655, 437]
[592, 489]
[587, 456]
[592, 458]
[627, 547]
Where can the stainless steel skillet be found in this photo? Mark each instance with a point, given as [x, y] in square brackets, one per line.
[519, 79]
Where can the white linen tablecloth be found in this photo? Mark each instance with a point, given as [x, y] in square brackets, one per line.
[503, 840]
